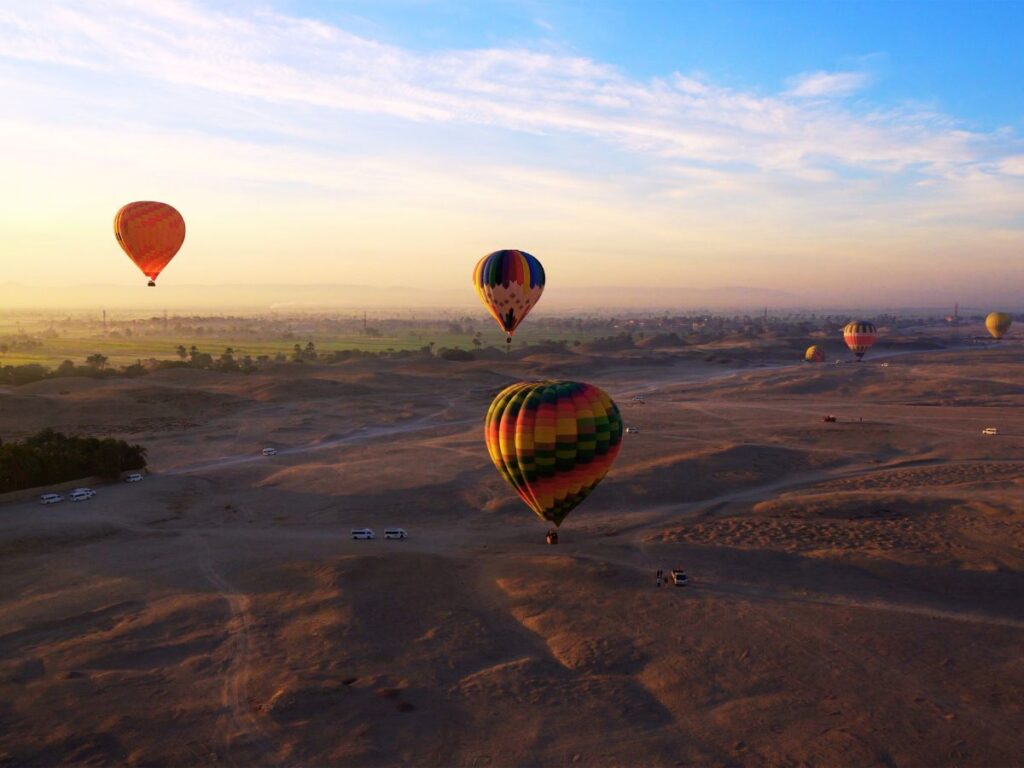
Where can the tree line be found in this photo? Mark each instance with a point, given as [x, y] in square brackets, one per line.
[49, 457]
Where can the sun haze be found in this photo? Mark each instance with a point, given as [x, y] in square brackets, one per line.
[834, 155]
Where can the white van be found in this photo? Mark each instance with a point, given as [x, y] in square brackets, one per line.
[363, 533]
[270, 451]
[51, 498]
[990, 431]
[134, 477]
[82, 494]
[395, 533]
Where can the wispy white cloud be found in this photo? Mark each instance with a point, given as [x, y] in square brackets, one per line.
[282, 59]
[274, 100]
[1012, 166]
[826, 84]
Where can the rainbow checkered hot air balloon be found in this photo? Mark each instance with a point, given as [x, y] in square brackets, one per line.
[509, 284]
[859, 336]
[150, 233]
[553, 441]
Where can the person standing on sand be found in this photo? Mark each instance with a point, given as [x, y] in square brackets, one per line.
[659, 576]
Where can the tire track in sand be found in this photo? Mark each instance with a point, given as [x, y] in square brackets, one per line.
[235, 693]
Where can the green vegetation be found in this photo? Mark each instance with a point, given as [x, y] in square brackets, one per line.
[46, 339]
[50, 457]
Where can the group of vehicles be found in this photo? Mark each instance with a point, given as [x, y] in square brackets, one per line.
[78, 494]
[82, 494]
[365, 534]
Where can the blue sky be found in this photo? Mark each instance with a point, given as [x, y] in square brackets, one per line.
[964, 58]
[785, 146]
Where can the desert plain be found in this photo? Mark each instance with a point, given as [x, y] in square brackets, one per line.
[856, 589]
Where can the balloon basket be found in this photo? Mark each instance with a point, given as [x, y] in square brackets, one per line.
[152, 284]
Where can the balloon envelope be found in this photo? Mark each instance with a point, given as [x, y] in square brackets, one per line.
[553, 441]
[859, 336]
[815, 354]
[150, 233]
[509, 283]
[998, 323]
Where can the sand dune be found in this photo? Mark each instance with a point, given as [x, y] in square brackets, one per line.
[855, 593]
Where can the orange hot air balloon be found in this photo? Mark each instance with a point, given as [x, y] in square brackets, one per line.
[860, 336]
[150, 233]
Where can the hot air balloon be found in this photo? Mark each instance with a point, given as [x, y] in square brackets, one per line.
[815, 354]
[859, 336]
[998, 323]
[150, 233]
[509, 283]
[553, 441]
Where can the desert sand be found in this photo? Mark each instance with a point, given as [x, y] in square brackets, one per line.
[855, 597]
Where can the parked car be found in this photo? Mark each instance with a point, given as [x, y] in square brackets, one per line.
[830, 419]
[134, 477]
[51, 498]
[270, 451]
[632, 430]
[363, 533]
[395, 533]
[82, 494]
[679, 577]
[990, 431]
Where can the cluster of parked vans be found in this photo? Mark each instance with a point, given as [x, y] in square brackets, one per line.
[389, 533]
[79, 494]
[83, 494]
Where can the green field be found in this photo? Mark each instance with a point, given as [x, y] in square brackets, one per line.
[121, 350]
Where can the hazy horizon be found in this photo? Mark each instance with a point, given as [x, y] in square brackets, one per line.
[600, 300]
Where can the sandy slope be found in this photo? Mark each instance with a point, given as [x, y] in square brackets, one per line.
[855, 598]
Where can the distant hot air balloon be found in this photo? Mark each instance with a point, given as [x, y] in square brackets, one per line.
[553, 441]
[998, 323]
[815, 354]
[150, 233]
[859, 336]
[509, 283]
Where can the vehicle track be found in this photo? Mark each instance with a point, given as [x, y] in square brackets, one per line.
[243, 723]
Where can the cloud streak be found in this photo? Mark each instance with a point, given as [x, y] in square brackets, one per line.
[827, 84]
[267, 100]
[281, 59]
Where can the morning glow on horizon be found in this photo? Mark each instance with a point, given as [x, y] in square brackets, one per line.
[837, 153]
